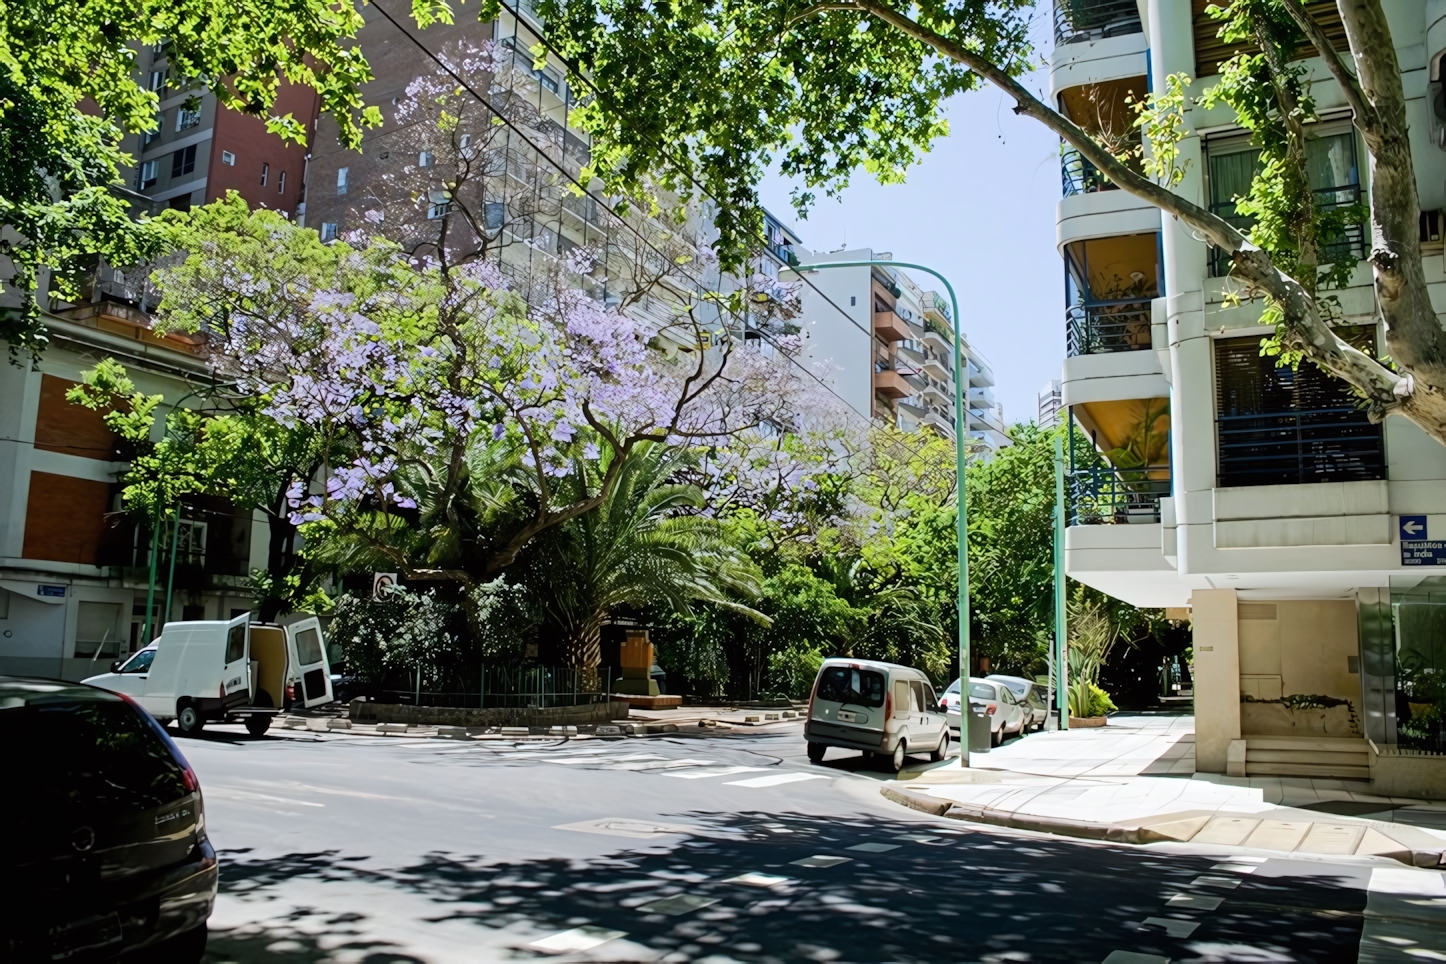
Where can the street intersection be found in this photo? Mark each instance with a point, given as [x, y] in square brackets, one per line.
[718, 848]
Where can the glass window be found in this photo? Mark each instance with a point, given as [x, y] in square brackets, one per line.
[265, 172]
[982, 691]
[150, 171]
[236, 643]
[308, 646]
[843, 684]
[183, 162]
[424, 159]
[140, 662]
[228, 158]
[328, 231]
[341, 174]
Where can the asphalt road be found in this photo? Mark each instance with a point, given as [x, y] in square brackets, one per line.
[691, 848]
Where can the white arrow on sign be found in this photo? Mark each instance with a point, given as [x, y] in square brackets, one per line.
[1411, 528]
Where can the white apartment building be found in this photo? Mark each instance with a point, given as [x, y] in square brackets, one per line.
[1049, 404]
[887, 345]
[1259, 497]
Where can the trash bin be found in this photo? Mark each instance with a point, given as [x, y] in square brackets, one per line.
[979, 735]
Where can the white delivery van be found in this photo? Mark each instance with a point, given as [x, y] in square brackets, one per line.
[222, 671]
[879, 708]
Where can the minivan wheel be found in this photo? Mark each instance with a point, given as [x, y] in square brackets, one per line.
[815, 752]
[996, 737]
[943, 749]
[258, 725]
[188, 719]
[898, 759]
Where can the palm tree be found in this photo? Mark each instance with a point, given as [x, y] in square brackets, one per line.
[644, 544]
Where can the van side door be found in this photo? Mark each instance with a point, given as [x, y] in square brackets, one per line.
[309, 666]
[236, 660]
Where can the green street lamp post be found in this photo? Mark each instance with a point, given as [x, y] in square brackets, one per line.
[961, 424]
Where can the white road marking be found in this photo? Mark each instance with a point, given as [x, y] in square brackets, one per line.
[710, 772]
[755, 879]
[1173, 926]
[577, 939]
[776, 780]
[235, 793]
[820, 860]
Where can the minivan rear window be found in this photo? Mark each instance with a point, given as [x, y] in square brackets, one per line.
[844, 684]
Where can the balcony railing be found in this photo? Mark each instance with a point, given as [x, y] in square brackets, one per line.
[1099, 327]
[1349, 244]
[1080, 176]
[1105, 495]
[1286, 448]
[1078, 21]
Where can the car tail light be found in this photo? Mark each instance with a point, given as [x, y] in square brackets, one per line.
[291, 692]
[221, 691]
[991, 708]
[811, 694]
[888, 705]
[188, 777]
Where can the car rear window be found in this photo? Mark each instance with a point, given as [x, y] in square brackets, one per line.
[1016, 686]
[844, 684]
[982, 691]
[96, 750]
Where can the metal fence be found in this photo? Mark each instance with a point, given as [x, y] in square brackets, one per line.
[1079, 21]
[512, 687]
[1098, 327]
[1105, 495]
[1281, 448]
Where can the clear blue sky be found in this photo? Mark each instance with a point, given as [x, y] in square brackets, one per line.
[980, 208]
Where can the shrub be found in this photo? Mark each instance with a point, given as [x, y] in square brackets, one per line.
[792, 670]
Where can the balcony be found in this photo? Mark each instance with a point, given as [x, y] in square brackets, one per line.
[1100, 327]
[1079, 176]
[890, 384]
[890, 327]
[1105, 495]
[1080, 21]
[1288, 447]
[911, 351]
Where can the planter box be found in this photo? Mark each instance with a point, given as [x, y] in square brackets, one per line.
[1087, 721]
[1277, 719]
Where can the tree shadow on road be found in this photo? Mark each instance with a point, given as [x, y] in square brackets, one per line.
[770, 887]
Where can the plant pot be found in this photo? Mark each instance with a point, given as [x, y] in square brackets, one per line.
[1087, 721]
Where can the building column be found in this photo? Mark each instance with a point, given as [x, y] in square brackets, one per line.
[1217, 676]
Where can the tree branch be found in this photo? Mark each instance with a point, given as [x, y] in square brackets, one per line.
[1350, 85]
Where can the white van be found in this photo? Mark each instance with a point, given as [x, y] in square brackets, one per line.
[879, 708]
[220, 671]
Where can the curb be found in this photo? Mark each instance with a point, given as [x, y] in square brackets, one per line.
[1141, 832]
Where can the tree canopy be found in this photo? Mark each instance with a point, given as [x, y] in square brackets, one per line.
[709, 93]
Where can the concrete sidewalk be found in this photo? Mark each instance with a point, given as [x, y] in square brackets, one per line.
[1134, 781]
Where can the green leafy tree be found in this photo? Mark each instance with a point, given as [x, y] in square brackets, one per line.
[636, 547]
[703, 97]
[69, 93]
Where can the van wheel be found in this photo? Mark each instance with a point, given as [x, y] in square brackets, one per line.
[943, 749]
[815, 752]
[188, 719]
[897, 762]
[258, 725]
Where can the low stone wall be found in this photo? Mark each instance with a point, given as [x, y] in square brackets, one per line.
[1399, 772]
[592, 713]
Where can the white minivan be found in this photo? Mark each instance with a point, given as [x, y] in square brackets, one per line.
[213, 670]
[879, 708]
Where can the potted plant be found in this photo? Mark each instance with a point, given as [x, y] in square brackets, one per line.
[1092, 634]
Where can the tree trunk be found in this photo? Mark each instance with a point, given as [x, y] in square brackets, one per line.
[280, 555]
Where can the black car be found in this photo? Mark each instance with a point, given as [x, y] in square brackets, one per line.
[106, 855]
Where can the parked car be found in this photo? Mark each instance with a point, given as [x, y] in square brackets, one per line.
[225, 670]
[1006, 714]
[879, 708]
[1034, 695]
[106, 852]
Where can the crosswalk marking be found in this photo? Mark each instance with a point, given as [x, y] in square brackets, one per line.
[776, 780]
[711, 772]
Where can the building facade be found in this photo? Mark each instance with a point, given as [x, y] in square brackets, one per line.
[888, 345]
[1259, 496]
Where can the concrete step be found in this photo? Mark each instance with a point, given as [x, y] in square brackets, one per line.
[1307, 770]
[1330, 744]
[1317, 757]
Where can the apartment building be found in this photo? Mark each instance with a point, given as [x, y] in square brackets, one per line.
[1260, 497]
[74, 569]
[888, 344]
[199, 150]
[1049, 405]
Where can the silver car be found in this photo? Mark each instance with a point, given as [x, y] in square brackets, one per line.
[880, 708]
[1007, 716]
[1033, 695]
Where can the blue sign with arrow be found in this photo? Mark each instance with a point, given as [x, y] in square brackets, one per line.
[1413, 528]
